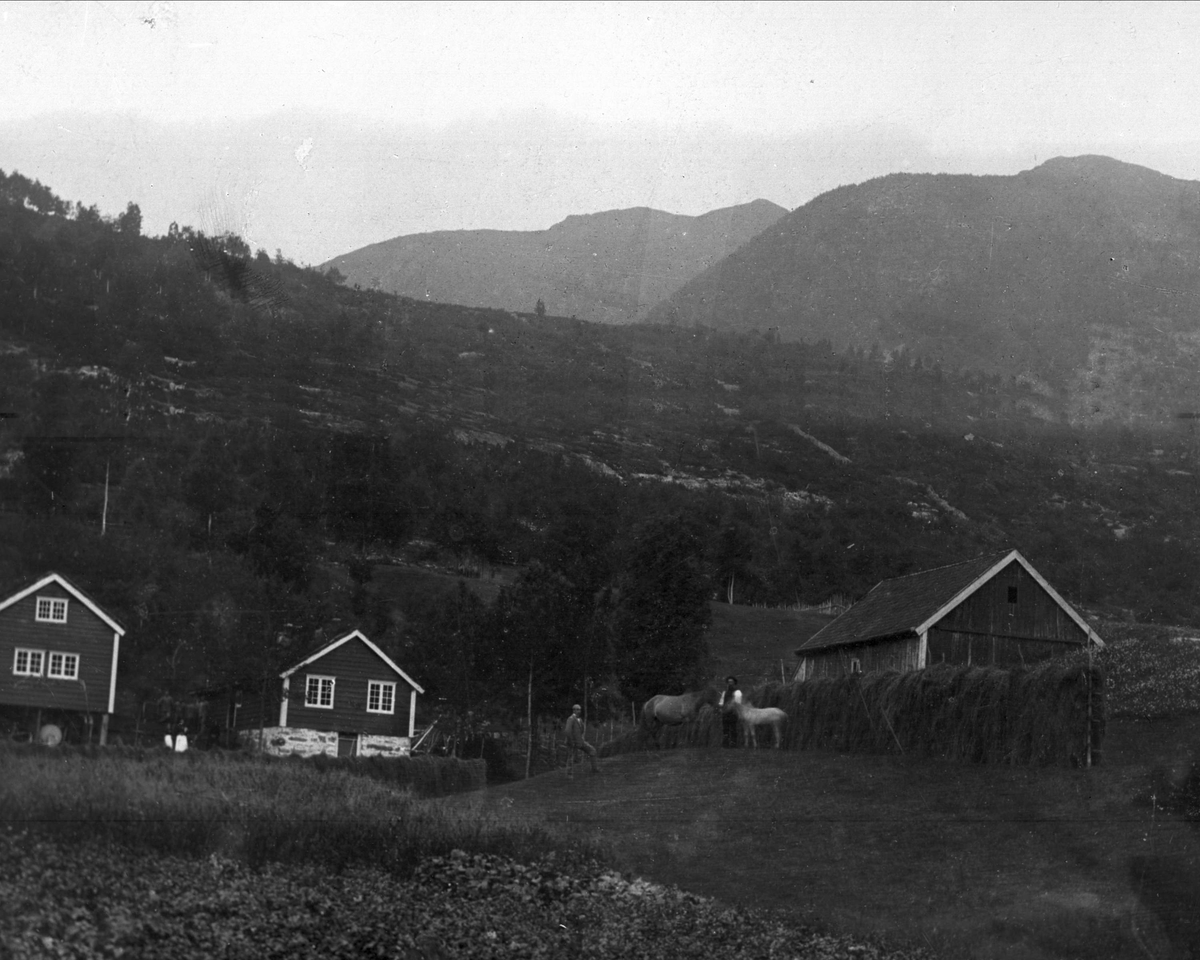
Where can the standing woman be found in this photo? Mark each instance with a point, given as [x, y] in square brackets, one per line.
[730, 696]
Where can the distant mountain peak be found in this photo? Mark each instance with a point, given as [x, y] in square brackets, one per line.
[1092, 166]
[611, 266]
[1082, 274]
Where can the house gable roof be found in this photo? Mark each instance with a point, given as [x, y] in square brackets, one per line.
[910, 605]
[73, 590]
[353, 635]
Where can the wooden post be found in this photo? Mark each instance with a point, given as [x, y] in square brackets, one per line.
[529, 717]
[104, 730]
[1088, 640]
[104, 514]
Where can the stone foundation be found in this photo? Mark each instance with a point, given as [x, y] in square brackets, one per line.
[290, 741]
[370, 745]
[299, 742]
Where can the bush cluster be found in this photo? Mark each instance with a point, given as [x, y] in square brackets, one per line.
[1152, 671]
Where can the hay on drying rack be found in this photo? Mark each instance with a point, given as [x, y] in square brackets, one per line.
[972, 714]
[1036, 715]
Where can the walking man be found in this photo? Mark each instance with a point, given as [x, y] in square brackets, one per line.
[729, 716]
[575, 742]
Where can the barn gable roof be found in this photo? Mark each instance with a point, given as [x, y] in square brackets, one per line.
[73, 590]
[353, 635]
[910, 605]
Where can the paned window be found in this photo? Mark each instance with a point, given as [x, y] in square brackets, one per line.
[28, 663]
[381, 697]
[319, 692]
[63, 666]
[51, 610]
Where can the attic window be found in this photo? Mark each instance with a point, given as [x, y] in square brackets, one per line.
[51, 610]
[318, 692]
[1012, 597]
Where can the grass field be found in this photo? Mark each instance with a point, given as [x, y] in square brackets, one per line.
[758, 643]
[972, 861]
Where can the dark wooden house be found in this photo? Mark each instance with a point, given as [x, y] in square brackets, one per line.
[346, 699]
[994, 611]
[61, 652]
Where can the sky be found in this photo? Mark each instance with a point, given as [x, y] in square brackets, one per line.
[316, 128]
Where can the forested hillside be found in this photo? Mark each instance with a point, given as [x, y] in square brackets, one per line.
[1079, 273]
[222, 448]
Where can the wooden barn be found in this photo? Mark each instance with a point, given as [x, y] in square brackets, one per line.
[62, 652]
[347, 699]
[994, 611]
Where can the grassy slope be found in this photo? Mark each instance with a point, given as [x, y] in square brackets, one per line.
[975, 861]
[750, 642]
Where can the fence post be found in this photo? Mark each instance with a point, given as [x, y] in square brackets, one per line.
[1089, 704]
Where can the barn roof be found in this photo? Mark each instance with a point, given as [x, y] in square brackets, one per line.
[910, 605]
[353, 635]
[72, 590]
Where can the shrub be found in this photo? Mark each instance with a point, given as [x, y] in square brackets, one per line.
[1152, 671]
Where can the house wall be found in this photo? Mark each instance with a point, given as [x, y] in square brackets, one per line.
[84, 634]
[353, 664]
[986, 629]
[254, 705]
[902, 655]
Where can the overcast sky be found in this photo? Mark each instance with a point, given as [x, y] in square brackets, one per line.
[318, 128]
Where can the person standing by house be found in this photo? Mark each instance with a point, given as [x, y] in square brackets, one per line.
[576, 744]
[730, 696]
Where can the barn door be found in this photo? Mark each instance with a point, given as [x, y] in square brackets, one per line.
[347, 744]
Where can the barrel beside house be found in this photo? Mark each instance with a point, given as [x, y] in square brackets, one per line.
[995, 610]
[60, 651]
[346, 699]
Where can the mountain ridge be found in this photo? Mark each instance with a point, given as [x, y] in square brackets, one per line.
[1080, 273]
[610, 266]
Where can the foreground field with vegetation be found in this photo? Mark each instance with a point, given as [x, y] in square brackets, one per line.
[93, 901]
[782, 854]
[193, 856]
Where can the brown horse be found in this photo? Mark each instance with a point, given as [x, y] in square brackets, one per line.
[663, 710]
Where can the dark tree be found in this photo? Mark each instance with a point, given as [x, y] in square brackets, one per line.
[663, 612]
[129, 224]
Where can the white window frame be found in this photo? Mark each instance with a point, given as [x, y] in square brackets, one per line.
[30, 654]
[383, 687]
[56, 610]
[317, 681]
[71, 659]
